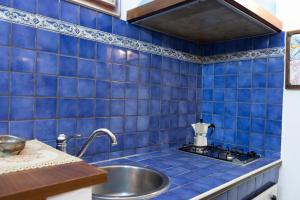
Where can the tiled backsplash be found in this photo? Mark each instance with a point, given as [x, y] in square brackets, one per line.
[243, 98]
[55, 82]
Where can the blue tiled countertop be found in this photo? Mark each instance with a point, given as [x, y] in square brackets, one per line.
[190, 174]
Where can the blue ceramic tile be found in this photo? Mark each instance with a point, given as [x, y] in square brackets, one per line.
[273, 143]
[5, 2]
[143, 139]
[218, 108]
[277, 40]
[154, 123]
[133, 31]
[23, 36]
[274, 112]
[130, 123]
[85, 126]
[3, 128]
[4, 108]
[256, 140]
[244, 109]
[117, 124]
[145, 59]
[88, 17]
[21, 108]
[273, 127]
[45, 130]
[68, 45]
[132, 57]
[102, 89]
[104, 22]
[132, 74]
[229, 135]
[229, 122]
[86, 88]
[4, 83]
[69, 12]
[155, 92]
[130, 141]
[118, 73]
[245, 66]
[219, 82]
[242, 138]
[5, 33]
[155, 76]
[259, 80]
[143, 92]
[145, 35]
[244, 81]
[219, 68]
[22, 84]
[131, 91]
[275, 80]
[117, 107]
[46, 85]
[23, 129]
[46, 63]
[103, 71]
[207, 107]
[144, 75]
[143, 107]
[44, 5]
[45, 108]
[258, 110]
[230, 108]
[87, 49]
[131, 107]
[104, 52]
[243, 124]
[156, 61]
[230, 94]
[154, 107]
[119, 26]
[67, 108]
[230, 81]
[258, 125]
[67, 66]
[244, 95]
[67, 87]
[218, 95]
[259, 65]
[47, 41]
[29, 6]
[261, 42]
[23, 60]
[102, 108]
[118, 90]
[86, 107]
[258, 95]
[276, 64]
[142, 123]
[118, 55]
[275, 96]
[86, 68]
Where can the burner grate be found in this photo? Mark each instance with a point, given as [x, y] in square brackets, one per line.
[231, 155]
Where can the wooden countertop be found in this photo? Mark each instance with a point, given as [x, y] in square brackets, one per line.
[38, 184]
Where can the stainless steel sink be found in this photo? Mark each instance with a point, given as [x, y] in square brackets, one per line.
[131, 183]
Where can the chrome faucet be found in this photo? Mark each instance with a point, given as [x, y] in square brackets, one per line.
[62, 140]
[101, 131]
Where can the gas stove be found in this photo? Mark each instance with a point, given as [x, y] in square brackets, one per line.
[234, 155]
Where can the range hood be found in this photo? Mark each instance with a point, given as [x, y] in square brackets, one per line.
[206, 21]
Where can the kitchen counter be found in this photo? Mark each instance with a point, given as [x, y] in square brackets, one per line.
[197, 177]
[40, 183]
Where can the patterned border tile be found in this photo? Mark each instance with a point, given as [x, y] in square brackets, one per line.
[46, 23]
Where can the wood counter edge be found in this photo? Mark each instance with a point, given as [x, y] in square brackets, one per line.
[37, 184]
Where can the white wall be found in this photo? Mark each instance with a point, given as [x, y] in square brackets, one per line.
[289, 179]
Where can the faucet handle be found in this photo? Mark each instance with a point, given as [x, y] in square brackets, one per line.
[62, 139]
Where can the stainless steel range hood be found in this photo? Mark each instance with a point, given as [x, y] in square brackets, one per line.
[206, 20]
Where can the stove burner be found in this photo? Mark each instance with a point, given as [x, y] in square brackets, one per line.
[234, 155]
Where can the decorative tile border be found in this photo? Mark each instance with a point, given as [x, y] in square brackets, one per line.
[46, 23]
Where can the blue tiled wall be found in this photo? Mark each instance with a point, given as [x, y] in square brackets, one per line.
[243, 98]
[52, 83]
